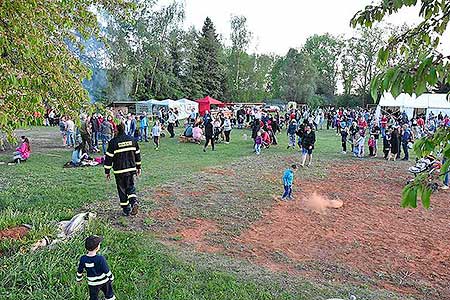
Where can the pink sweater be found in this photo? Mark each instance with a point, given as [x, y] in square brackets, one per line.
[24, 151]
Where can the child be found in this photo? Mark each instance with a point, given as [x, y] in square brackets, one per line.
[372, 143]
[344, 135]
[258, 143]
[78, 155]
[292, 129]
[23, 152]
[387, 145]
[156, 133]
[98, 274]
[265, 139]
[361, 144]
[288, 180]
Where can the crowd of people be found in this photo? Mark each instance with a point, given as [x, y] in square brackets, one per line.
[393, 132]
[120, 135]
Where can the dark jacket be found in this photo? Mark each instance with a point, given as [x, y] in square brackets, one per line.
[95, 125]
[292, 128]
[209, 130]
[309, 139]
[123, 156]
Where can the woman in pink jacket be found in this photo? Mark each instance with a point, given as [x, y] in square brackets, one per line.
[23, 152]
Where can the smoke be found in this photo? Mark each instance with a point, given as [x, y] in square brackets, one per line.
[93, 54]
[319, 203]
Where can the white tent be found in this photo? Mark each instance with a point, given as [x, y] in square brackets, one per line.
[431, 102]
[438, 104]
[145, 106]
[186, 107]
[168, 103]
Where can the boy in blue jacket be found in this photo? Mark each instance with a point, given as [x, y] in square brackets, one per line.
[288, 180]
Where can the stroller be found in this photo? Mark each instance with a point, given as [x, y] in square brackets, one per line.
[428, 164]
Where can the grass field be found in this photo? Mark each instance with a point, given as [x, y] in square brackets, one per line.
[199, 252]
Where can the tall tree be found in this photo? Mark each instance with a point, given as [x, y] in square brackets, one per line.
[324, 51]
[37, 68]
[207, 74]
[240, 38]
[298, 76]
[359, 61]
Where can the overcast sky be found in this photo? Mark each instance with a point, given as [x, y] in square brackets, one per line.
[278, 25]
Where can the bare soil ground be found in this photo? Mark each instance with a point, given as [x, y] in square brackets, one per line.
[14, 233]
[235, 211]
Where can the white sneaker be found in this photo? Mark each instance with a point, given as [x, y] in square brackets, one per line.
[444, 187]
[344, 152]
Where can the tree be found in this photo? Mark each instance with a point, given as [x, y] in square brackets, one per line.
[207, 74]
[427, 71]
[324, 51]
[359, 60]
[298, 77]
[240, 38]
[37, 68]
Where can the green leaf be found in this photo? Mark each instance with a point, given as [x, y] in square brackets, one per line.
[374, 89]
[445, 168]
[383, 56]
[387, 79]
[432, 78]
[412, 197]
[405, 197]
[426, 196]
[421, 87]
[408, 84]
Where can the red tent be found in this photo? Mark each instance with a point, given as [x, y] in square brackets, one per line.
[205, 104]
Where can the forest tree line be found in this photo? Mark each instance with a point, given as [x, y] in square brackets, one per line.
[156, 58]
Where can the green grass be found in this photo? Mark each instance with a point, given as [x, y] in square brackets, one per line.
[40, 192]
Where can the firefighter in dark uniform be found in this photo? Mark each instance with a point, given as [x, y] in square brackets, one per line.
[124, 158]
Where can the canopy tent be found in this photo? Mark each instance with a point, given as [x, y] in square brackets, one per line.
[185, 108]
[431, 102]
[167, 103]
[205, 104]
[145, 106]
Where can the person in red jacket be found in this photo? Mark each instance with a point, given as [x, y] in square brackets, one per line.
[266, 139]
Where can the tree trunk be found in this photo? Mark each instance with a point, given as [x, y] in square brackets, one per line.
[237, 72]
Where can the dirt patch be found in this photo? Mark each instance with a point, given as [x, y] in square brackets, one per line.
[197, 230]
[218, 171]
[14, 233]
[166, 213]
[370, 234]
[368, 241]
[319, 203]
[162, 193]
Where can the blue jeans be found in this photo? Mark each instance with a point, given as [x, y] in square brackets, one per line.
[105, 140]
[287, 192]
[70, 138]
[95, 137]
[292, 140]
[258, 148]
[144, 134]
[405, 150]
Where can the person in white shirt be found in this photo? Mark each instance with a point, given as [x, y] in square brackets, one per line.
[70, 128]
[156, 133]
[227, 129]
[172, 120]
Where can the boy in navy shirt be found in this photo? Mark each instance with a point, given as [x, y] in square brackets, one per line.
[98, 274]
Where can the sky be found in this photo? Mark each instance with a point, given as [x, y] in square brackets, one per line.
[278, 25]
